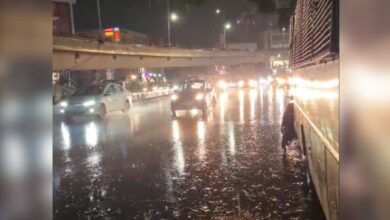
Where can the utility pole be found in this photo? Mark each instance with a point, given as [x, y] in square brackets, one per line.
[218, 11]
[100, 22]
[169, 24]
[224, 29]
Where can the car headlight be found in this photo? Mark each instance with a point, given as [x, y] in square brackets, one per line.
[63, 104]
[89, 103]
[174, 97]
[281, 81]
[222, 84]
[264, 81]
[199, 97]
[241, 83]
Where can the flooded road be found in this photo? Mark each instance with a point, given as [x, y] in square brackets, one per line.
[144, 165]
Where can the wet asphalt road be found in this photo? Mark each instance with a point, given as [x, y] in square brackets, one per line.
[144, 165]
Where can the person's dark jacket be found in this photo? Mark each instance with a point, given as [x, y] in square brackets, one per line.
[287, 127]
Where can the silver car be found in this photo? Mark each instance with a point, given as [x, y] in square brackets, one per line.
[96, 100]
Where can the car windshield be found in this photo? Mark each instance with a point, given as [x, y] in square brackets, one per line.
[194, 85]
[90, 90]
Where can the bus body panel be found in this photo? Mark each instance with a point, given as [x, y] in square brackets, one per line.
[316, 98]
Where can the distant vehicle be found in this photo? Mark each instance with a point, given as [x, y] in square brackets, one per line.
[279, 80]
[193, 94]
[96, 100]
[221, 86]
[248, 84]
[241, 84]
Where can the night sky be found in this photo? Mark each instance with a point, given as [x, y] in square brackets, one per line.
[197, 27]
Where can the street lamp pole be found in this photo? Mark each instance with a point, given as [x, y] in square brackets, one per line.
[100, 20]
[224, 29]
[169, 24]
[226, 26]
[218, 11]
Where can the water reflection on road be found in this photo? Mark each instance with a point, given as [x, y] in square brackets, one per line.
[146, 165]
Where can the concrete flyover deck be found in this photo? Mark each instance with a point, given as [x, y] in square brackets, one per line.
[83, 54]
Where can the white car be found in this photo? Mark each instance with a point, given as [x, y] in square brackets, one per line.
[96, 100]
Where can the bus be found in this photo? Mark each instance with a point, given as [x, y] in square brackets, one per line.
[314, 60]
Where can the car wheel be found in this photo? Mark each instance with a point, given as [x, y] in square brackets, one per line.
[102, 111]
[127, 106]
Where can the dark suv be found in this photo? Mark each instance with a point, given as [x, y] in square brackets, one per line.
[193, 94]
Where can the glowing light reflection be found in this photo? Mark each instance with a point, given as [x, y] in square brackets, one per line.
[271, 107]
[280, 95]
[179, 162]
[223, 99]
[261, 97]
[201, 137]
[270, 95]
[65, 136]
[241, 100]
[134, 122]
[312, 94]
[232, 140]
[252, 98]
[91, 135]
[94, 159]
[314, 84]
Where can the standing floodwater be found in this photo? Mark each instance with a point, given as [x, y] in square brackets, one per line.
[145, 165]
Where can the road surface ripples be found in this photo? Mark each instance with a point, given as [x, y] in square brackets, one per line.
[145, 165]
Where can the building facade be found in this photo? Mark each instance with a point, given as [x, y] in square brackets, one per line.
[63, 20]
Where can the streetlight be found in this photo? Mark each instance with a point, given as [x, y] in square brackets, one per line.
[174, 17]
[171, 17]
[218, 11]
[226, 27]
[283, 30]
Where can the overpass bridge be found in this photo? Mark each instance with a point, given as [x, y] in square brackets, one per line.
[83, 54]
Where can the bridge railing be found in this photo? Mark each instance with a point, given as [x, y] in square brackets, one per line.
[92, 46]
